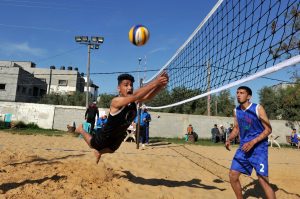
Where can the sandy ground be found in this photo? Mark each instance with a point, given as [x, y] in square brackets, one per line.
[63, 167]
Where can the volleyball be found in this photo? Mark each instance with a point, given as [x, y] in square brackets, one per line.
[138, 35]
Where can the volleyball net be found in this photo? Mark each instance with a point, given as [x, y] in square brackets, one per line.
[238, 41]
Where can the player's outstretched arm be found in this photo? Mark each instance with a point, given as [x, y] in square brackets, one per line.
[163, 79]
[142, 93]
[156, 90]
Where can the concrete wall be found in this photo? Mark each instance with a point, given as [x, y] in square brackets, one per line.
[67, 115]
[40, 114]
[162, 125]
[175, 125]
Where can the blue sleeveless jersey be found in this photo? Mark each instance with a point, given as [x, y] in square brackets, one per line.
[250, 125]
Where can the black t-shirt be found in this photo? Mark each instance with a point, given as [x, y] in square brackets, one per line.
[91, 113]
[114, 131]
[120, 121]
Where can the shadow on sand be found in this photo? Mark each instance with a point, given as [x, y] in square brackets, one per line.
[13, 185]
[196, 183]
[39, 159]
[258, 192]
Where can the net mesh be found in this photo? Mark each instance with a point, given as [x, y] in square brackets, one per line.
[236, 40]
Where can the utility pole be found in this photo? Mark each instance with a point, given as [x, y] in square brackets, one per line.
[216, 107]
[145, 67]
[50, 80]
[92, 43]
[208, 88]
[139, 111]
[88, 77]
[139, 68]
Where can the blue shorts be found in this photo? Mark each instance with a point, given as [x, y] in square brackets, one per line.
[245, 162]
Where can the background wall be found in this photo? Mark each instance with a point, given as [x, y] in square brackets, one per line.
[162, 125]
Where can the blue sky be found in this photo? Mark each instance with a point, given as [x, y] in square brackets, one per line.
[43, 32]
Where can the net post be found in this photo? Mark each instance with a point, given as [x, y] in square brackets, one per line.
[139, 120]
[137, 141]
[208, 88]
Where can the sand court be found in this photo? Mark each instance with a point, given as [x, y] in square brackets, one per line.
[37, 166]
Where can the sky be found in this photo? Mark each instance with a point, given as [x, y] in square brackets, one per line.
[43, 31]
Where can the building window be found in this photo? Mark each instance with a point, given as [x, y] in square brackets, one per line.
[24, 90]
[62, 82]
[2, 86]
[35, 91]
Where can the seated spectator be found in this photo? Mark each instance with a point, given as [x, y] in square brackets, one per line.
[191, 135]
[295, 138]
[215, 134]
[229, 130]
[222, 133]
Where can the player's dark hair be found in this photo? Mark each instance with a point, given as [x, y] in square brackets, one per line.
[246, 88]
[125, 77]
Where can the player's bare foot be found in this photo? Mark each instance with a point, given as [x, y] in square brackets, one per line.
[79, 129]
[98, 156]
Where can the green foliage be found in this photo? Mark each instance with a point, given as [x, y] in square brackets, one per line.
[76, 99]
[105, 100]
[22, 125]
[196, 107]
[290, 45]
[19, 127]
[166, 141]
[223, 104]
[32, 126]
[270, 100]
[291, 102]
[282, 103]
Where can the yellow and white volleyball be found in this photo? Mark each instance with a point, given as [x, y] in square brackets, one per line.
[139, 35]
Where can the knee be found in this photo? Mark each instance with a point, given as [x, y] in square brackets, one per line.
[233, 176]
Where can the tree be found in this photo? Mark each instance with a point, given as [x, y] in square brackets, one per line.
[291, 102]
[105, 100]
[282, 103]
[222, 104]
[290, 45]
[285, 103]
[270, 101]
[163, 98]
[225, 104]
[74, 99]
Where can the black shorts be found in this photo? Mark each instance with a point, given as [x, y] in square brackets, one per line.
[104, 140]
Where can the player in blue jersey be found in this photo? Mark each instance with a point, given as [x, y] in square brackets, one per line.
[122, 112]
[253, 126]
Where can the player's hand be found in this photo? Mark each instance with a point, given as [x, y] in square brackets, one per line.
[248, 146]
[227, 145]
[163, 79]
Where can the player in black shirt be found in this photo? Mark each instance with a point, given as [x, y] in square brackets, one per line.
[122, 112]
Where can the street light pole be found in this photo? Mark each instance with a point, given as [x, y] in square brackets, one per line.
[88, 77]
[92, 43]
[139, 68]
